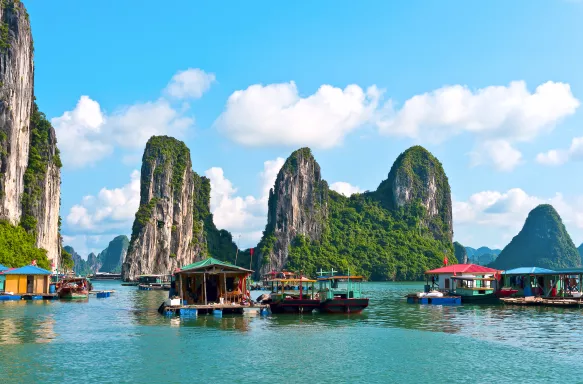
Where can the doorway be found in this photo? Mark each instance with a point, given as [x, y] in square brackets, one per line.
[29, 284]
[212, 288]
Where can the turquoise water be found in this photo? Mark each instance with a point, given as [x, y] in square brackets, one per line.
[123, 339]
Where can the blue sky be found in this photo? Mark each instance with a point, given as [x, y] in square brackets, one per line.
[489, 87]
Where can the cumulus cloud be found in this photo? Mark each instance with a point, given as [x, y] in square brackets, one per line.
[110, 209]
[499, 153]
[496, 115]
[191, 83]
[345, 188]
[511, 112]
[244, 216]
[88, 134]
[504, 213]
[276, 114]
[561, 156]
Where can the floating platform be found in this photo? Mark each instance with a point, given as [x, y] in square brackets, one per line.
[566, 302]
[215, 309]
[96, 292]
[29, 296]
[150, 287]
[445, 300]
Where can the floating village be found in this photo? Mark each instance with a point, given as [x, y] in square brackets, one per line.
[215, 287]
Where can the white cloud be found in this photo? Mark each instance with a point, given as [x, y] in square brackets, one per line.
[244, 216]
[80, 134]
[500, 153]
[276, 114]
[86, 134]
[496, 216]
[110, 209]
[561, 156]
[345, 188]
[191, 83]
[510, 112]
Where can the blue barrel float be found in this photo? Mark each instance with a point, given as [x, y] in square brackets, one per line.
[52, 288]
[218, 312]
[102, 295]
[188, 312]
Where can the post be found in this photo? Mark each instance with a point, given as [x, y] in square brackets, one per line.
[181, 287]
[204, 286]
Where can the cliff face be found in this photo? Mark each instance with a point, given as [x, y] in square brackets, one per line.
[395, 233]
[16, 97]
[29, 159]
[162, 233]
[543, 242]
[417, 176]
[111, 258]
[297, 206]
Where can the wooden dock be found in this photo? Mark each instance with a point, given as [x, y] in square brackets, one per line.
[215, 309]
[543, 301]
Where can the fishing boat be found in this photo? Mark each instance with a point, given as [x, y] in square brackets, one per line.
[73, 288]
[154, 282]
[285, 298]
[341, 294]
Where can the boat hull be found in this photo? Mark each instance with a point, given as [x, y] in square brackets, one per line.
[74, 295]
[294, 306]
[481, 299]
[343, 305]
[145, 287]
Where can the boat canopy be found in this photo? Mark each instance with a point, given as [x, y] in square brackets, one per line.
[295, 280]
[462, 268]
[321, 278]
[530, 271]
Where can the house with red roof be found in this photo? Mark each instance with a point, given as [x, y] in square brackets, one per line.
[470, 281]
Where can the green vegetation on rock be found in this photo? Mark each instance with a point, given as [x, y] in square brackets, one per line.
[542, 242]
[460, 252]
[17, 247]
[365, 237]
[40, 155]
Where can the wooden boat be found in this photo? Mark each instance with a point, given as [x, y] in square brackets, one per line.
[283, 300]
[154, 282]
[341, 294]
[527, 301]
[73, 288]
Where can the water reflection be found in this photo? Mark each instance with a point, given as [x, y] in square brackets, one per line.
[33, 326]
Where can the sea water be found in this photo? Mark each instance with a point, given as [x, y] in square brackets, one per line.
[123, 339]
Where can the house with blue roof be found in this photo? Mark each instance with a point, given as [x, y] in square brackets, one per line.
[28, 279]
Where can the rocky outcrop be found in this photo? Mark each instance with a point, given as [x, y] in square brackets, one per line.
[297, 205]
[29, 159]
[111, 258]
[16, 98]
[543, 242]
[460, 253]
[162, 233]
[418, 177]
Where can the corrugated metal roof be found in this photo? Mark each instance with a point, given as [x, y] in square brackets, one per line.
[27, 270]
[212, 262]
[462, 268]
[529, 271]
[3, 268]
[570, 271]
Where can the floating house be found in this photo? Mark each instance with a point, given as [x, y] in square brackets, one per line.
[211, 282]
[2, 277]
[27, 280]
[460, 276]
[541, 282]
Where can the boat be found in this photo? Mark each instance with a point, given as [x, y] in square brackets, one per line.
[130, 284]
[73, 288]
[475, 289]
[154, 282]
[285, 298]
[105, 276]
[341, 294]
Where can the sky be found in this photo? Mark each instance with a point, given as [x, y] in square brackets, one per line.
[492, 88]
